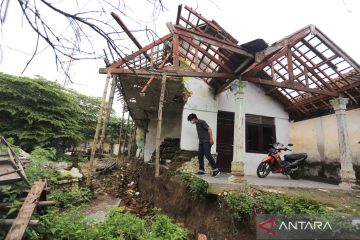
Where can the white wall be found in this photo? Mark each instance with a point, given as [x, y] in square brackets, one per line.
[170, 128]
[318, 137]
[258, 103]
[203, 103]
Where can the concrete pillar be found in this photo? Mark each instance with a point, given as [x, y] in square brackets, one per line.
[347, 173]
[237, 165]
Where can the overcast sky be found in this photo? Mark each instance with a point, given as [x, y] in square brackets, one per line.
[246, 20]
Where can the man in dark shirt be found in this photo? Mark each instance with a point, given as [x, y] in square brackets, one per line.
[206, 140]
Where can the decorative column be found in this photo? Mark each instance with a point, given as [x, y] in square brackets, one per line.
[347, 173]
[237, 165]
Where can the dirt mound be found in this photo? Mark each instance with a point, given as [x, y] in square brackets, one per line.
[121, 183]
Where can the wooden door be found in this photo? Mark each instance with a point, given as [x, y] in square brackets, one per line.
[225, 140]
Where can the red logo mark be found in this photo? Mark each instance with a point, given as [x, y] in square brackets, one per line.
[266, 228]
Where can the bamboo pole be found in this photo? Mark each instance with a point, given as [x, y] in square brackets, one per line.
[121, 129]
[108, 111]
[158, 130]
[97, 131]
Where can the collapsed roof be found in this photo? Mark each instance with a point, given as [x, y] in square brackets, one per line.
[302, 71]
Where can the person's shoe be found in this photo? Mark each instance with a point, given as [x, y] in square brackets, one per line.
[215, 173]
[200, 172]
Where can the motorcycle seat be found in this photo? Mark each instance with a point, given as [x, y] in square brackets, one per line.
[294, 157]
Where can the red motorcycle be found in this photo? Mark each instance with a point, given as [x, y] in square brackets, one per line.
[292, 164]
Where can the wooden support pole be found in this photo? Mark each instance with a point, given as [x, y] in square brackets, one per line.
[120, 134]
[133, 136]
[158, 130]
[126, 134]
[97, 131]
[18, 228]
[130, 141]
[108, 111]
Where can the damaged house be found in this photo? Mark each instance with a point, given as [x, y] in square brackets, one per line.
[301, 89]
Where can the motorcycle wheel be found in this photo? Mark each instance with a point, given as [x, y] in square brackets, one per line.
[296, 175]
[263, 170]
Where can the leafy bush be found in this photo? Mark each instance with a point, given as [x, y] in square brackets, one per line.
[41, 166]
[119, 224]
[197, 186]
[241, 205]
[163, 228]
[69, 199]
[43, 154]
[70, 224]
[287, 205]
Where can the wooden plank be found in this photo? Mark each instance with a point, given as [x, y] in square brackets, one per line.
[9, 222]
[40, 204]
[17, 164]
[159, 125]
[176, 51]
[17, 230]
[9, 172]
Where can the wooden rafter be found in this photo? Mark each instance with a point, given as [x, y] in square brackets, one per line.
[169, 72]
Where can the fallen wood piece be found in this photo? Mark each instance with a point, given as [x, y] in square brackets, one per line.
[10, 172]
[106, 169]
[18, 228]
[8, 222]
[40, 204]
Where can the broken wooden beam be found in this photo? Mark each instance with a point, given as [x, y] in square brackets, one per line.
[22, 220]
[130, 35]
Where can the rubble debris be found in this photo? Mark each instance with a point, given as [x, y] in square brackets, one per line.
[168, 149]
[73, 173]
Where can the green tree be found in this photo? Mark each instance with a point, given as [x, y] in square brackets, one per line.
[37, 112]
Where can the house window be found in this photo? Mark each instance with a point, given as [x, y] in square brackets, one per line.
[260, 132]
